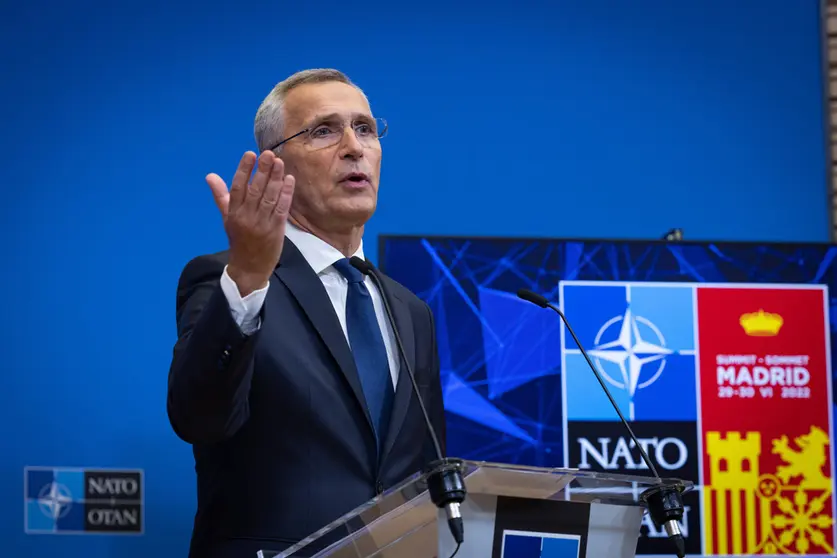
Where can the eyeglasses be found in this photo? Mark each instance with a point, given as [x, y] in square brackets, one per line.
[330, 132]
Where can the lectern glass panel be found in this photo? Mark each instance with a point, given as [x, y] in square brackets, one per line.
[404, 523]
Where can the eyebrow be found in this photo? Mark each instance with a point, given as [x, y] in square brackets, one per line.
[337, 116]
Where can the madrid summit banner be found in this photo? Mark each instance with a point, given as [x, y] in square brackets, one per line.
[726, 384]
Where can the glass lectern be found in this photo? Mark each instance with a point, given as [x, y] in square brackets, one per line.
[510, 512]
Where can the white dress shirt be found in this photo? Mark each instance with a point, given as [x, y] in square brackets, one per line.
[320, 256]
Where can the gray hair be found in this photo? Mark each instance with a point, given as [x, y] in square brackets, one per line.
[269, 122]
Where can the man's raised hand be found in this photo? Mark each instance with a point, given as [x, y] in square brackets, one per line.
[255, 213]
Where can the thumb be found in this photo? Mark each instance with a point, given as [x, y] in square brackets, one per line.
[219, 192]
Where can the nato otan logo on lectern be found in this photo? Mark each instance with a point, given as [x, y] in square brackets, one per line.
[64, 500]
[529, 544]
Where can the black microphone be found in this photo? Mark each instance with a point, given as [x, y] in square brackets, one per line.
[446, 485]
[664, 501]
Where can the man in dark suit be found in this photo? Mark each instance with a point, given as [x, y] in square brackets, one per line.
[286, 378]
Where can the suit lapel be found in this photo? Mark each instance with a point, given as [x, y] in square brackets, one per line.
[403, 388]
[309, 291]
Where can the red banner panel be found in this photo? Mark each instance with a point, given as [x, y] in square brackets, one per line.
[765, 420]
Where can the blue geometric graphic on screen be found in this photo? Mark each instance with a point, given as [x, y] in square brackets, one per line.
[524, 344]
[461, 399]
[522, 544]
[449, 272]
[695, 262]
[640, 337]
[54, 500]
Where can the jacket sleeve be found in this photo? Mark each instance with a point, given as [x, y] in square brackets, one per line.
[212, 363]
[436, 405]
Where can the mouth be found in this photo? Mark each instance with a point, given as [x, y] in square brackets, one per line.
[355, 179]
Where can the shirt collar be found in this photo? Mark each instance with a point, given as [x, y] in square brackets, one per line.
[319, 254]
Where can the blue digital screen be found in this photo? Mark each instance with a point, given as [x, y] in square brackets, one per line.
[517, 388]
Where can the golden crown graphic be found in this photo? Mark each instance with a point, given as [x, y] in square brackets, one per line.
[761, 323]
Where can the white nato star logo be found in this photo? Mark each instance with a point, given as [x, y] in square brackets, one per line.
[55, 500]
[630, 352]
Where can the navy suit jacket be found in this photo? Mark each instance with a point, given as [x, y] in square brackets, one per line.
[281, 436]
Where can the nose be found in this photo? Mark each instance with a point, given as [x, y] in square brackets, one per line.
[350, 146]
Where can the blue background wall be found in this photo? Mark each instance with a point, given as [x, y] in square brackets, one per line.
[584, 119]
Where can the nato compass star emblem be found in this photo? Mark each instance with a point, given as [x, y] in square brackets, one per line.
[625, 347]
[55, 500]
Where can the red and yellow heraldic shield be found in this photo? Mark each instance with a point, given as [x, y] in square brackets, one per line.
[765, 420]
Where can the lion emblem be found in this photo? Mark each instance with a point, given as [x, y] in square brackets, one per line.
[806, 462]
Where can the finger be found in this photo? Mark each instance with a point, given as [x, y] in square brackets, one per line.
[257, 186]
[219, 192]
[286, 196]
[272, 190]
[241, 179]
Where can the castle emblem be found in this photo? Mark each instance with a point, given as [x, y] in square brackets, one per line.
[786, 511]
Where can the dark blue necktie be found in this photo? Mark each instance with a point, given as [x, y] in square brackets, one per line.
[367, 343]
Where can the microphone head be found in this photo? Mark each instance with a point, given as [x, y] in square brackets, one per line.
[534, 298]
[361, 265]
